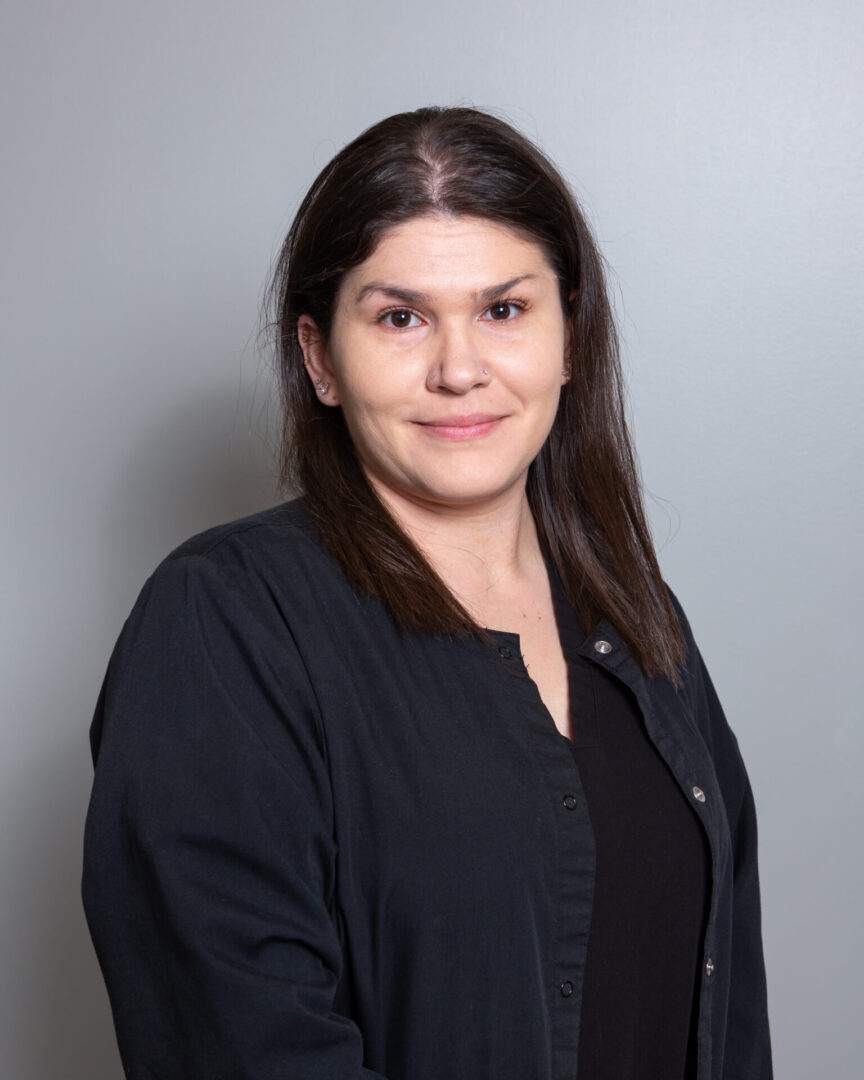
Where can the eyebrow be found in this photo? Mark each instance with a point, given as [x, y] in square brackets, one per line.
[410, 296]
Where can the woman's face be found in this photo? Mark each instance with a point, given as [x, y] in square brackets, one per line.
[446, 355]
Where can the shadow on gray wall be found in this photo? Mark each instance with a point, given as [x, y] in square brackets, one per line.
[210, 461]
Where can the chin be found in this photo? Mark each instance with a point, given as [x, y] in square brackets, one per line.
[450, 487]
[468, 493]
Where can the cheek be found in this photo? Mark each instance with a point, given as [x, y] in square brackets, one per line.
[536, 376]
[370, 410]
[371, 390]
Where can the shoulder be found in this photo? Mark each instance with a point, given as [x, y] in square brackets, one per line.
[219, 622]
[692, 671]
[683, 621]
[268, 576]
[274, 552]
[287, 524]
[222, 563]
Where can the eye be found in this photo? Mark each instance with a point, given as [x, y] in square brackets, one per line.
[505, 310]
[399, 318]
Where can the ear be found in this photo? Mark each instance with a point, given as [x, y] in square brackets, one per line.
[317, 361]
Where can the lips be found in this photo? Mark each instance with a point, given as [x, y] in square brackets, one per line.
[467, 426]
[471, 420]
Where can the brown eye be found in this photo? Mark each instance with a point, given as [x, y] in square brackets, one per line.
[400, 318]
[503, 310]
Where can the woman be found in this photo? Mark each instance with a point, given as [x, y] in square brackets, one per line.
[421, 775]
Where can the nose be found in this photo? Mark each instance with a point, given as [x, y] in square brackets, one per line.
[457, 364]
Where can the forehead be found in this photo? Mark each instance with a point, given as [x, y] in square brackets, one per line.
[438, 250]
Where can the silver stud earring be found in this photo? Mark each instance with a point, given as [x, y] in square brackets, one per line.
[322, 387]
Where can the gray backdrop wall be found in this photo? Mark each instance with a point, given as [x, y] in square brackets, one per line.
[153, 156]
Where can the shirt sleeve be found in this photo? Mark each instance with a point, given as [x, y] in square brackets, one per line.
[209, 858]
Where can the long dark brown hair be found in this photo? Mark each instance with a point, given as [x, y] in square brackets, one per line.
[583, 487]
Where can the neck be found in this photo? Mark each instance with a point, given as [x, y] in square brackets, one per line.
[479, 551]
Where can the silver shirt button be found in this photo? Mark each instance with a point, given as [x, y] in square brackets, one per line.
[698, 794]
[602, 647]
[709, 967]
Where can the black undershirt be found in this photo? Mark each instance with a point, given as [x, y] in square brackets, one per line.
[639, 1002]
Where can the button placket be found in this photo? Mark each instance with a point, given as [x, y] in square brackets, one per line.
[571, 802]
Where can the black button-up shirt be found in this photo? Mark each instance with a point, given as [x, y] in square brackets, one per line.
[320, 848]
[652, 880]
